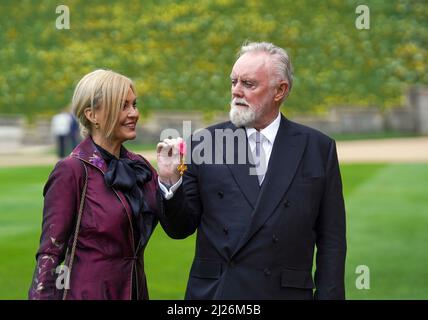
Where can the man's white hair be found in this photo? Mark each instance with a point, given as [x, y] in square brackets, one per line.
[282, 63]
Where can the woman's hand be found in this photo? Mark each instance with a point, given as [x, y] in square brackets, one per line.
[168, 158]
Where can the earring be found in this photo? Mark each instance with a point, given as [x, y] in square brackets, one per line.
[97, 125]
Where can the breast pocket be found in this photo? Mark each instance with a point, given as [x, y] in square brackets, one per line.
[306, 193]
[309, 178]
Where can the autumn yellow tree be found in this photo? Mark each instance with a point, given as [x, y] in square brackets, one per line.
[180, 53]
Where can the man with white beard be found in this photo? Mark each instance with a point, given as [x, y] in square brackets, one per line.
[257, 230]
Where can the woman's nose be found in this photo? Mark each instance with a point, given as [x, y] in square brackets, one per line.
[133, 113]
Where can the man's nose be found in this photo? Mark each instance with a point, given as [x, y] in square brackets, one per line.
[237, 91]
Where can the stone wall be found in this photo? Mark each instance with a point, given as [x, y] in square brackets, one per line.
[418, 99]
[11, 133]
[347, 120]
[412, 117]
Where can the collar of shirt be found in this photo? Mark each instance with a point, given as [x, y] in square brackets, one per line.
[269, 132]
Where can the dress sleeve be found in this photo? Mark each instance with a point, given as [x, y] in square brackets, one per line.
[61, 199]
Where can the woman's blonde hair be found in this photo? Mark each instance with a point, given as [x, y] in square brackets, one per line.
[100, 88]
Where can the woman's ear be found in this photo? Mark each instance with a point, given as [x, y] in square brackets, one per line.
[91, 116]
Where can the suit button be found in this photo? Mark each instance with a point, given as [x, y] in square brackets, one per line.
[267, 272]
[275, 239]
[232, 264]
[286, 203]
[220, 194]
[225, 230]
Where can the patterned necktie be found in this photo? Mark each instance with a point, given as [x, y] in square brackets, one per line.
[260, 157]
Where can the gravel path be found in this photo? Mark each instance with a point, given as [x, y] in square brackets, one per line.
[401, 150]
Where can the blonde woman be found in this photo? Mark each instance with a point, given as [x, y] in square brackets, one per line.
[100, 203]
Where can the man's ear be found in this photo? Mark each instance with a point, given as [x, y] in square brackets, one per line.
[281, 91]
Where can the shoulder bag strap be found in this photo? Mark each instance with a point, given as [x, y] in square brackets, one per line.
[76, 231]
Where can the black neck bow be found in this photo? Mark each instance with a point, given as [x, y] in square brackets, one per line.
[128, 176]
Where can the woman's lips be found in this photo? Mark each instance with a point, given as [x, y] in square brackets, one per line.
[130, 125]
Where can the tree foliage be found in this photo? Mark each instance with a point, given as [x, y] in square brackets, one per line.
[180, 53]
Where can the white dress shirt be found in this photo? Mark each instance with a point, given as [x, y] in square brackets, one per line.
[269, 134]
[169, 193]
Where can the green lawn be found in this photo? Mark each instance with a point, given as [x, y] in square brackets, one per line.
[372, 136]
[387, 212]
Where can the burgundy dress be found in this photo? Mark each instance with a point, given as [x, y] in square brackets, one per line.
[109, 256]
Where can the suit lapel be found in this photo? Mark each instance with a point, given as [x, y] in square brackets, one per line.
[248, 184]
[286, 155]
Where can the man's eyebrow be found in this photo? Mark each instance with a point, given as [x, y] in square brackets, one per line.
[244, 78]
[249, 79]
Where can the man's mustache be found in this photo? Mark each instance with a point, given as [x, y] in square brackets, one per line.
[239, 102]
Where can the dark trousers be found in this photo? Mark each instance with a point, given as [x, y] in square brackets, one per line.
[61, 146]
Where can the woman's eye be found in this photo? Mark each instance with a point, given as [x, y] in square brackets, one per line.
[127, 106]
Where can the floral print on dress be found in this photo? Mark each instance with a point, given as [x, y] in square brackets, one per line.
[96, 160]
[43, 278]
[132, 156]
[78, 153]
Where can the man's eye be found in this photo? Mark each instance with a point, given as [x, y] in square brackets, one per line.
[233, 81]
[248, 84]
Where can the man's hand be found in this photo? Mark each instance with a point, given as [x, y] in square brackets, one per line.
[168, 158]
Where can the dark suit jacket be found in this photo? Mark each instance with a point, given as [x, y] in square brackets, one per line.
[259, 242]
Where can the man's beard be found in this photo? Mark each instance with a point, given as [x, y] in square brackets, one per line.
[242, 116]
